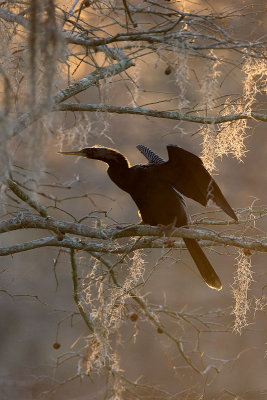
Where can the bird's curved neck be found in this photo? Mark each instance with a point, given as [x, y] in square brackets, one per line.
[118, 167]
[113, 158]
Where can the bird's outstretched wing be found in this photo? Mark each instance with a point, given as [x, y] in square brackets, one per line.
[187, 174]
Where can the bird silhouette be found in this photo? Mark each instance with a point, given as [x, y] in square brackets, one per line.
[158, 189]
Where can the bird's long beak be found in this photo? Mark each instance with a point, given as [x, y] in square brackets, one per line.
[73, 153]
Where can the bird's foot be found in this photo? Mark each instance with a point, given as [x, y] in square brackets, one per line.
[168, 229]
[169, 242]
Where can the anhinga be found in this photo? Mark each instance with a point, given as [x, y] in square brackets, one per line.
[158, 188]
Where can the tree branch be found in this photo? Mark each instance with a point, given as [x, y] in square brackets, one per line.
[75, 292]
[25, 197]
[12, 17]
[24, 221]
[173, 115]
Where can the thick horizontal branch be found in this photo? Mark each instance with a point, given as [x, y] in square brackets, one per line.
[35, 222]
[77, 244]
[183, 38]
[144, 243]
[159, 114]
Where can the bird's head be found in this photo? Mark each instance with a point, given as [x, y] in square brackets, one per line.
[109, 156]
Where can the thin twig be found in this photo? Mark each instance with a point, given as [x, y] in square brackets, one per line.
[25, 197]
[75, 291]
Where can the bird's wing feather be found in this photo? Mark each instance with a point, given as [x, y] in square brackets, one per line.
[152, 157]
[186, 172]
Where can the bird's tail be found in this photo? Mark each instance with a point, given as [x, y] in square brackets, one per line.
[205, 268]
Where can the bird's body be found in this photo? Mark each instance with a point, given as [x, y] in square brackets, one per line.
[157, 201]
[158, 188]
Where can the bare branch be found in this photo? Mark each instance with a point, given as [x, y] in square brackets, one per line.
[85, 317]
[172, 115]
[24, 221]
[25, 197]
[12, 17]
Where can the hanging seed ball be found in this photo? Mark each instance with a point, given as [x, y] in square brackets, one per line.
[133, 317]
[60, 236]
[86, 3]
[168, 70]
[247, 252]
[56, 345]
[159, 330]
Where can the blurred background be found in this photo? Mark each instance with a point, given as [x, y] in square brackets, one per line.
[37, 310]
